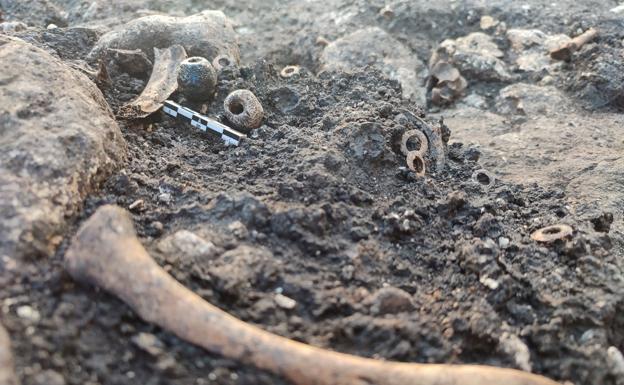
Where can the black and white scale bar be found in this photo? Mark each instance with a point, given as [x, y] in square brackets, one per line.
[202, 122]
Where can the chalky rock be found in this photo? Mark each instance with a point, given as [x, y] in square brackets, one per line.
[58, 141]
[206, 34]
[529, 48]
[186, 247]
[197, 79]
[531, 100]
[244, 110]
[375, 47]
[476, 56]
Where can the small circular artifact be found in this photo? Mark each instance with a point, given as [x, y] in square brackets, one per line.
[483, 177]
[197, 79]
[416, 163]
[408, 139]
[552, 233]
[222, 61]
[289, 71]
[243, 109]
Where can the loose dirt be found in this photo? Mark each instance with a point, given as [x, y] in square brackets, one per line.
[315, 229]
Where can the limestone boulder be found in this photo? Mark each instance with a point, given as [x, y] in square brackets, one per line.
[58, 141]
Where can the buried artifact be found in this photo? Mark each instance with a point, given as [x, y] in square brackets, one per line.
[162, 83]
[106, 253]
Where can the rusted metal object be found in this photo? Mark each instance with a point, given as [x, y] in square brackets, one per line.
[552, 233]
[565, 51]
[7, 373]
[106, 253]
[162, 83]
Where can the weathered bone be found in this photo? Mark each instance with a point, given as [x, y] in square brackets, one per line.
[565, 51]
[7, 374]
[162, 83]
[107, 253]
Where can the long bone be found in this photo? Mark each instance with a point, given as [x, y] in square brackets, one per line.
[106, 253]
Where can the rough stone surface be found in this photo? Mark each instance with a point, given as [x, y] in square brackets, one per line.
[206, 34]
[375, 47]
[530, 48]
[186, 246]
[57, 141]
[477, 56]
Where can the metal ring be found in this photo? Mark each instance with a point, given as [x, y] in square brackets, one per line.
[416, 163]
[289, 71]
[422, 139]
[484, 178]
[552, 233]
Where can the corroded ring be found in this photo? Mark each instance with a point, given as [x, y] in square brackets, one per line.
[552, 233]
[483, 177]
[422, 141]
[416, 163]
[289, 71]
[222, 61]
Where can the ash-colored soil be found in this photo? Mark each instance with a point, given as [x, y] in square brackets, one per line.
[318, 206]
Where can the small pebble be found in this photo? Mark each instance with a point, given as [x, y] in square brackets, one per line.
[284, 302]
[164, 198]
[616, 361]
[137, 204]
[148, 343]
[390, 300]
[28, 313]
[489, 282]
[49, 377]
[186, 245]
[487, 22]
[158, 227]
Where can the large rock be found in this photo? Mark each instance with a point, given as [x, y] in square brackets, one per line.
[476, 55]
[206, 34]
[58, 140]
[375, 47]
[530, 48]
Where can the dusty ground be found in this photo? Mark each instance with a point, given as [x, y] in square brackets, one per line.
[337, 223]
